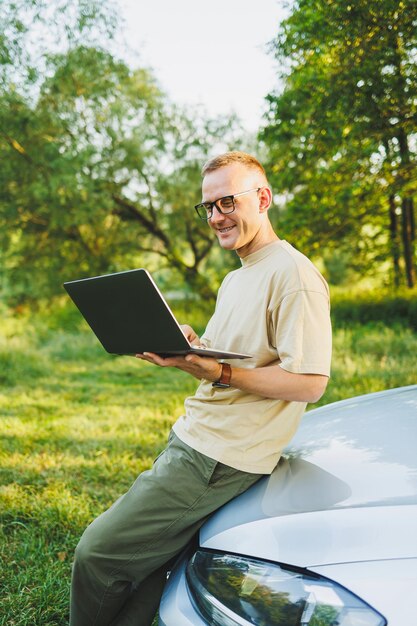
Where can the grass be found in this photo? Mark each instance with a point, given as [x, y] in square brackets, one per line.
[77, 426]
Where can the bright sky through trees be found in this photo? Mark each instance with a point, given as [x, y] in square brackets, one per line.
[208, 52]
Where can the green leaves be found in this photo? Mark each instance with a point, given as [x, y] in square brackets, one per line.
[101, 169]
[342, 131]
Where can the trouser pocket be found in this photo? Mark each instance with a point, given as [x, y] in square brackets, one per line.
[220, 472]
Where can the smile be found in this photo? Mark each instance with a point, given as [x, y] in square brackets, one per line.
[225, 230]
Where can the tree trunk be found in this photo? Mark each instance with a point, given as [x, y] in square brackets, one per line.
[407, 207]
[394, 240]
[408, 224]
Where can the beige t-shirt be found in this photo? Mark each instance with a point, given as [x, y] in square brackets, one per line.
[276, 308]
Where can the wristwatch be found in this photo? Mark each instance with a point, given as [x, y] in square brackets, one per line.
[225, 376]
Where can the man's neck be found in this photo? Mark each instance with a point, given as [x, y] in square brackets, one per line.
[261, 242]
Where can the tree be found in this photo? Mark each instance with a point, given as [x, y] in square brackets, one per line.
[342, 132]
[101, 169]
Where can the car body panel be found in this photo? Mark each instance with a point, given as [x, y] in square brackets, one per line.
[389, 586]
[353, 453]
[342, 502]
[325, 537]
[176, 608]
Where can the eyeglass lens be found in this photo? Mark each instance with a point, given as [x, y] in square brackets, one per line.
[226, 205]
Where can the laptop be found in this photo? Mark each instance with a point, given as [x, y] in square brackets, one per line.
[129, 315]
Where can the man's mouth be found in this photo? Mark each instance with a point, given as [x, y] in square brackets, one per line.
[225, 230]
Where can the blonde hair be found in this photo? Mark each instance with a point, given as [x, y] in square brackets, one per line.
[243, 158]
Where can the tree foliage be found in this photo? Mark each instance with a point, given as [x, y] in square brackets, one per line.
[100, 168]
[342, 132]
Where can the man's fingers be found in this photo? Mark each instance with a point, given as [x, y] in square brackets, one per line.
[147, 356]
[156, 359]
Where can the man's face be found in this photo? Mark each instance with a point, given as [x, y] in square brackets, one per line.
[242, 229]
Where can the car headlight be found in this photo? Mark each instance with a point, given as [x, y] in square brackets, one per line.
[230, 590]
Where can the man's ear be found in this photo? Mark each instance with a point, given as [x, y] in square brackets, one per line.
[265, 199]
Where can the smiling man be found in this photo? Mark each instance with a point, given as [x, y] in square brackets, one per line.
[245, 230]
[276, 308]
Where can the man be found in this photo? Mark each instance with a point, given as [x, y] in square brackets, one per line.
[276, 308]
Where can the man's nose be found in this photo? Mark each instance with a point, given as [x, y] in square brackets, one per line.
[216, 215]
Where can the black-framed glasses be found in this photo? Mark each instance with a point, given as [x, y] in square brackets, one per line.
[224, 205]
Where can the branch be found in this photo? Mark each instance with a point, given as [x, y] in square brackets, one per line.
[13, 143]
[204, 252]
[198, 252]
[154, 251]
[149, 225]
[17, 147]
[151, 206]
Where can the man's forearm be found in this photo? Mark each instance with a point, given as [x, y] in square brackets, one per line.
[275, 382]
[269, 382]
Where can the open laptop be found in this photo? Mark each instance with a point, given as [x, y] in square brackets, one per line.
[129, 315]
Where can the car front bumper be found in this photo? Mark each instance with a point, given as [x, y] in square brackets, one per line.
[176, 607]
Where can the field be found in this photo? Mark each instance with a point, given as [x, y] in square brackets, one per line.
[77, 425]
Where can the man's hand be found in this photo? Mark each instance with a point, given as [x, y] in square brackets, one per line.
[191, 335]
[197, 366]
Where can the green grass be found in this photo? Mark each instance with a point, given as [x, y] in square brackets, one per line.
[78, 425]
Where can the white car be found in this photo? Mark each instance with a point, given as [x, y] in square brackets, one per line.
[329, 539]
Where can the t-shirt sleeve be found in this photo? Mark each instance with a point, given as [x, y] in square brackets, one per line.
[301, 330]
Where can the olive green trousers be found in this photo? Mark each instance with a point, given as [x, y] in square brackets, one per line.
[122, 559]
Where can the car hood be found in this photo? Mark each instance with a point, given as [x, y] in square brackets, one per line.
[345, 489]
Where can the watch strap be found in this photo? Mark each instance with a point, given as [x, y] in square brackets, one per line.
[225, 377]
